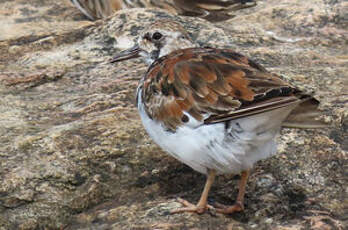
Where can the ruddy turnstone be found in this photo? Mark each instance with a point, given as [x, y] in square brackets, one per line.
[213, 109]
[97, 9]
[212, 10]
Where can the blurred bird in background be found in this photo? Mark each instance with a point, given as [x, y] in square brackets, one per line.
[211, 10]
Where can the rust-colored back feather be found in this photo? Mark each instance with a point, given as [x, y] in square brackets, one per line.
[215, 84]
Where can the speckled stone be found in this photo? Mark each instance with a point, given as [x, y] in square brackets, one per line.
[73, 152]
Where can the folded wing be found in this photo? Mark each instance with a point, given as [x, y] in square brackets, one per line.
[218, 85]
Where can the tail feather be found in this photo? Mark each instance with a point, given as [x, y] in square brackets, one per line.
[305, 116]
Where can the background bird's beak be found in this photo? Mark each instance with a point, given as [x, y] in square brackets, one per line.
[127, 54]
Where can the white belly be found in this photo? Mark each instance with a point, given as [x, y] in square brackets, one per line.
[230, 150]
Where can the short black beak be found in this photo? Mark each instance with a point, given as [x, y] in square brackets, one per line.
[127, 54]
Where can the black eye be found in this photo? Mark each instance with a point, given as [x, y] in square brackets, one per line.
[157, 36]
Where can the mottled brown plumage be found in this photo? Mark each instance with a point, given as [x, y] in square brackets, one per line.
[96, 9]
[211, 10]
[213, 109]
[219, 82]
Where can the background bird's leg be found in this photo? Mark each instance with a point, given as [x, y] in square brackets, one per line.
[202, 204]
[239, 205]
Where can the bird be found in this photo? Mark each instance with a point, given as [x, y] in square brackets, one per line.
[213, 109]
[211, 10]
[97, 9]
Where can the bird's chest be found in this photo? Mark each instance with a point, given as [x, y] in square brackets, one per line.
[225, 148]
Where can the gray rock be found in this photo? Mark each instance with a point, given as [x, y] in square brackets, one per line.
[74, 155]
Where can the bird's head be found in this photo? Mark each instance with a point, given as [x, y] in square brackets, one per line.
[157, 40]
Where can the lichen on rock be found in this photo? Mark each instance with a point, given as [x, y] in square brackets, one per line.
[73, 152]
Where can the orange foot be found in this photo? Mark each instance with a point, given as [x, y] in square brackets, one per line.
[189, 207]
[237, 207]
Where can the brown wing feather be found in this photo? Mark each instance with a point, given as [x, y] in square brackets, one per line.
[219, 83]
[211, 10]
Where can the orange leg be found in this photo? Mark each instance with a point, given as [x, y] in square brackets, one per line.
[202, 204]
[239, 205]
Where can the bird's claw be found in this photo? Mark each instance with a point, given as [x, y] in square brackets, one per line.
[237, 207]
[189, 207]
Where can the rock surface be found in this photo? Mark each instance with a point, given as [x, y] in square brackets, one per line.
[74, 155]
